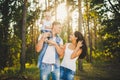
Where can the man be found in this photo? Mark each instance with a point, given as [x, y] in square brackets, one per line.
[50, 50]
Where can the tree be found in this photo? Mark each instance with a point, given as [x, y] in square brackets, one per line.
[80, 65]
[22, 58]
[6, 17]
[10, 28]
[110, 16]
[80, 16]
[68, 20]
[88, 29]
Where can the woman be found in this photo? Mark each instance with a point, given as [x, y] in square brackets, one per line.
[72, 51]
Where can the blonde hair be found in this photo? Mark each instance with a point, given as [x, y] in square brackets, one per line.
[55, 23]
[47, 14]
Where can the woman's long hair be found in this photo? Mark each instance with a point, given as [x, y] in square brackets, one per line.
[84, 47]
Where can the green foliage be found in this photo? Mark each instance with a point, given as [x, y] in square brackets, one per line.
[31, 73]
[6, 13]
[110, 32]
[11, 30]
[15, 46]
[64, 33]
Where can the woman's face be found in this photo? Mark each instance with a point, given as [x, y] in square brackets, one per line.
[72, 37]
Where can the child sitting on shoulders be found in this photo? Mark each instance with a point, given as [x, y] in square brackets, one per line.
[46, 23]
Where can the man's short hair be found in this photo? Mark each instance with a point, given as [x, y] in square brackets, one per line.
[55, 23]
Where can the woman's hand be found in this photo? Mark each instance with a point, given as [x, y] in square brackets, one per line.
[77, 50]
[79, 44]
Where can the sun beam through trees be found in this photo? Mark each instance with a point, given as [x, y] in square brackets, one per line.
[98, 20]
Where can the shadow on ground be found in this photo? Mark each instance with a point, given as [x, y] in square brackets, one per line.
[99, 71]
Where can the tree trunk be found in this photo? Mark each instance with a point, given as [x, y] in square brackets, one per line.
[95, 34]
[46, 4]
[68, 21]
[89, 36]
[80, 16]
[55, 10]
[4, 34]
[80, 65]
[22, 57]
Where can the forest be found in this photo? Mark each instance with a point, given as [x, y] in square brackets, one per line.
[97, 20]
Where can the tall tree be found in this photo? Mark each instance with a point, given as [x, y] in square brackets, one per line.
[80, 16]
[109, 11]
[68, 19]
[87, 4]
[22, 58]
[70, 7]
[88, 27]
[5, 17]
[80, 65]
[55, 9]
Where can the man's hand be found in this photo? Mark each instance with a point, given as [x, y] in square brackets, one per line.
[51, 42]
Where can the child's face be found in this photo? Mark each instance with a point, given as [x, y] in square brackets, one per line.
[48, 17]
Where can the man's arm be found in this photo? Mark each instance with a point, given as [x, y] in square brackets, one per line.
[59, 48]
[40, 43]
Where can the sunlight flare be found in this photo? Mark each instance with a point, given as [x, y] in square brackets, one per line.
[61, 12]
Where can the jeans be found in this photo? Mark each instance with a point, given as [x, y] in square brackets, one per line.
[66, 74]
[44, 31]
[47, 70]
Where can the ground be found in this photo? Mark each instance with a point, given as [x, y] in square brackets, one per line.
[99, 71]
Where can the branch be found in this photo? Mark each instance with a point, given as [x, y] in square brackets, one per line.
[118, 1]
[113, 7]
[118, 6]
[108, 8]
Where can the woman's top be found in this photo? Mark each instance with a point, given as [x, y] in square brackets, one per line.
[67, 62]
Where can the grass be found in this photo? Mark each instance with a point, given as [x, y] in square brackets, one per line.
[101, 71]
[96, 71]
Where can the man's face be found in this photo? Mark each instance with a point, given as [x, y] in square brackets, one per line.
[57, 28]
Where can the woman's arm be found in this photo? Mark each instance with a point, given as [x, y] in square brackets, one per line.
[76, 53]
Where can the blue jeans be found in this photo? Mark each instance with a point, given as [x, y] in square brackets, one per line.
[66, 74]
[43, 31]
[47, 70]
